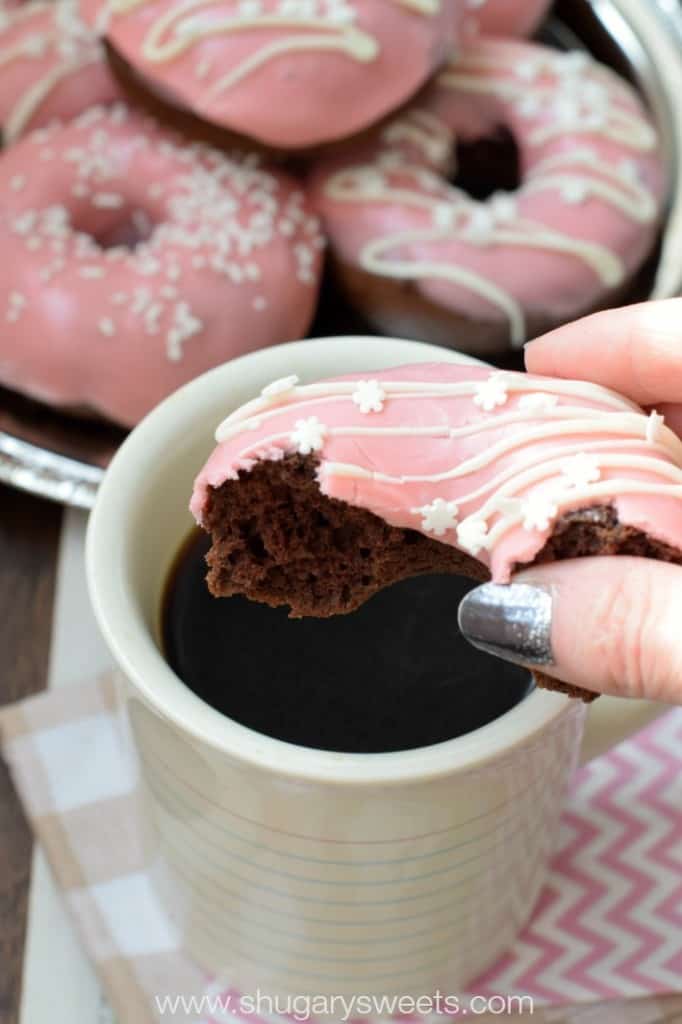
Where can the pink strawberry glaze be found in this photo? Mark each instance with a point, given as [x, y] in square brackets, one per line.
[593, 182]
[507, 17]
[612, 428]
[226, 259]
[52, 65]
[299, 94]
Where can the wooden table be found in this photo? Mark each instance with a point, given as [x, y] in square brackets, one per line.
[29, 535]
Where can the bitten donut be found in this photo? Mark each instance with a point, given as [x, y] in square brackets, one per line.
[319, 495]
[506, 17]
[52, 65]
[133, 261]
[290, 73]
[422, 258]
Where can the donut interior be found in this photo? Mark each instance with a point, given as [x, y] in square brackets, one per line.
[278, 540]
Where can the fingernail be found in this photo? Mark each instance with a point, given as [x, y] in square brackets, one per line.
[513, 622]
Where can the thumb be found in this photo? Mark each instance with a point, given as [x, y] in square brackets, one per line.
[610, 625]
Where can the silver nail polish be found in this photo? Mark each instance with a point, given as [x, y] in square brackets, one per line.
[513, 622]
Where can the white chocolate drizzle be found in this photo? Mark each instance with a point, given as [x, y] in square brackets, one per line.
[266, 406]
[306, 25]
[458, 218]
[68, 40]
[543, 463]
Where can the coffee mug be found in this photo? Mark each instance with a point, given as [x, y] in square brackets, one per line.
[302, 871]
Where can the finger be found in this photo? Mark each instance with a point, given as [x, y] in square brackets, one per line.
[636, 350]
[610, 625]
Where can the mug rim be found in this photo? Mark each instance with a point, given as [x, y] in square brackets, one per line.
[137, 653]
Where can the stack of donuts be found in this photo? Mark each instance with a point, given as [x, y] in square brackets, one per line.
[135, 255]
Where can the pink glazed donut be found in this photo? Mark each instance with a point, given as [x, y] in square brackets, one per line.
[487, 461]
[290, 73]
[134, 261]
[51, 65]
[422, 258]
[506, 17]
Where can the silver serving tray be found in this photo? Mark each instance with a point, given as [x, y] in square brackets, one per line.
[64, 458]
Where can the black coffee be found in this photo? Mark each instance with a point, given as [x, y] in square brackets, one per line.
[394, 675]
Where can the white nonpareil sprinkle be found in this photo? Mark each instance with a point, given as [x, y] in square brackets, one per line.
[107, 327]
[16, 303]
[108, 200]
[185, 325]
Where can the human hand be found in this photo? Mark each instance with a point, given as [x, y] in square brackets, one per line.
[613, 624]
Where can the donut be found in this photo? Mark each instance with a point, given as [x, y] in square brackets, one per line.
[290, 73]
[133, 261]
[52, 65]
[319, 495]
[506, 17]
[421, 258]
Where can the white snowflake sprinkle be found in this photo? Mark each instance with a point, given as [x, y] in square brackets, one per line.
[282, 386]
[369, 396]
[580, 471]
[472, 535]
[107, 327]
[538, 402]
[438, 517]
[653, 426]
[538, 512]
[308, 435]
[491, 393]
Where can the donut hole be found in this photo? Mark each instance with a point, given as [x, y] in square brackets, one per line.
[129, 231]
[127, 226]
[488, 165]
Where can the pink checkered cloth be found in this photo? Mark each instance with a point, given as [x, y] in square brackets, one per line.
[608, 925]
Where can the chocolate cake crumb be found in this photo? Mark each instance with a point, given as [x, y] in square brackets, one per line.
[278, 540]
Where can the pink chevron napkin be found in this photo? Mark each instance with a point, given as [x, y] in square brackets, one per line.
[608, 924]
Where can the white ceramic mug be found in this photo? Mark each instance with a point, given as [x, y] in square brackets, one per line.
[303, 871]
